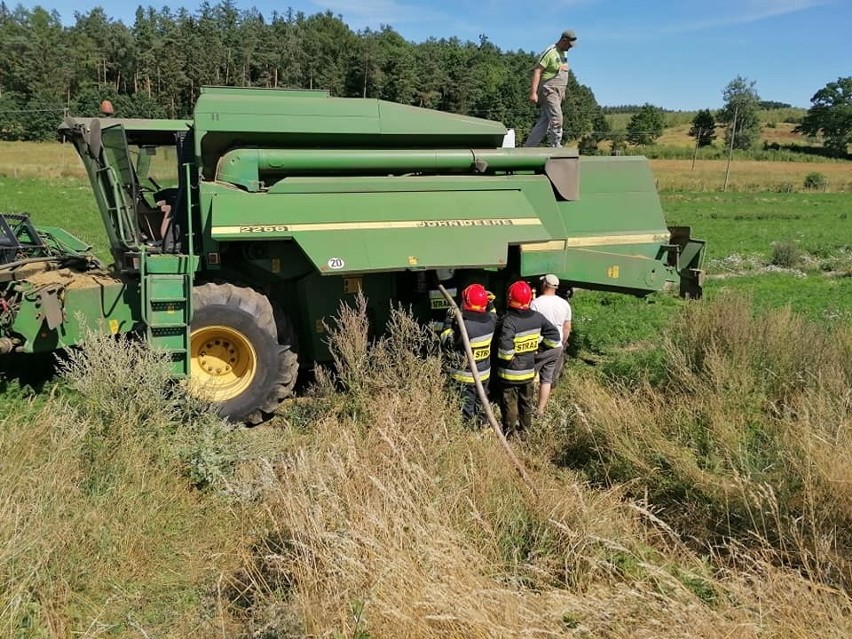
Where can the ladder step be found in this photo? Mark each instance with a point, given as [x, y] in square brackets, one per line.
[167, 310]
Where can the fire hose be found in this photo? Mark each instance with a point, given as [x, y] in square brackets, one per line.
[483, 398]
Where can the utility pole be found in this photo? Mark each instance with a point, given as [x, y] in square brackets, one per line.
[366, 64]
[695, 151]
[731, 148]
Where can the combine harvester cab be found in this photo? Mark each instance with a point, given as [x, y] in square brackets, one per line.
[283, 204]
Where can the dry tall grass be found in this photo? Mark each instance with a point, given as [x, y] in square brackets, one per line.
[387, 518]
[39, 160]
[716, 505]
[101, 533]
[748, 175]
[748, 442]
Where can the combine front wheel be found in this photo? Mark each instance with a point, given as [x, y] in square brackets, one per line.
[237, 361]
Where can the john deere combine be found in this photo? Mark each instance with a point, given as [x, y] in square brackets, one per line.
[281, 204]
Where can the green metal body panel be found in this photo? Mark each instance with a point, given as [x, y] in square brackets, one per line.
[88, 302]
[423, 223]
[305, 119]
[69, 242]
[614, 236]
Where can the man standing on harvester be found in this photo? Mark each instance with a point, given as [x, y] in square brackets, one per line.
[517, 344]
[479, 324]
[547, 90]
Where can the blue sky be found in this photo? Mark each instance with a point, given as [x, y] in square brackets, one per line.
[677, 54]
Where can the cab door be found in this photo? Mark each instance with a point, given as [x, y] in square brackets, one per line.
[105, 155]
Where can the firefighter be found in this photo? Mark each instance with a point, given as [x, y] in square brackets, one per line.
[438, 305]
[479, 324]
[518, 337]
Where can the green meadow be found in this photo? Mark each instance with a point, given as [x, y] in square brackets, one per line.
[64, 202]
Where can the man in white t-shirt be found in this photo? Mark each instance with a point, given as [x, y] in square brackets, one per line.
[557, 311]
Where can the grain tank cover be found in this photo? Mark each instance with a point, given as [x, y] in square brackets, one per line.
[229, 117]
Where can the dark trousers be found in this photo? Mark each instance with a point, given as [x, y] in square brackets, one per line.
[472, 410]
[516, 406]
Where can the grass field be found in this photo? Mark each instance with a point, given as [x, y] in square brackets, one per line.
[65, 202]
[820, 224]
[678, 123]
[749, 175]
[692, 474]
[782, 133]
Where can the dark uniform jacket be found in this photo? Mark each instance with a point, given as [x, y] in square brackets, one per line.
[518, 342]
[480, 331]
[438, 305]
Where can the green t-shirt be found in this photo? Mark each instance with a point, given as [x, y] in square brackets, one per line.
[552, 61]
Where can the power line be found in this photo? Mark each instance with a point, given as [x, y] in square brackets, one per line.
[5, 111]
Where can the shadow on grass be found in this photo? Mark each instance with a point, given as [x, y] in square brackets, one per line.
[33, 371]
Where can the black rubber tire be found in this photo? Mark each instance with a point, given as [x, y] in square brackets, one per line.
[245, 310]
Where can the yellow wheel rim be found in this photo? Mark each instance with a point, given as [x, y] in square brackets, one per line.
[224, 363]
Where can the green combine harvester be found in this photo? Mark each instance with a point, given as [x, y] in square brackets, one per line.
[278, 205]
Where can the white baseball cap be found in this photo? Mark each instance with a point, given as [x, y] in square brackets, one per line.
[550, 280]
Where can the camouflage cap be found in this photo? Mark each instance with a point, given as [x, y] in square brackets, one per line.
[568, 35]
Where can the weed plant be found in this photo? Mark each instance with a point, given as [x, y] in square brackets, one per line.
[786, 254]
[816, 181]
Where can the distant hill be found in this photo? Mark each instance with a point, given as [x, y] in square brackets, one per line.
[777, 124]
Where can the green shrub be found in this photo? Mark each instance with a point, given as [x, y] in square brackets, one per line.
[786, 254]
[816, 181]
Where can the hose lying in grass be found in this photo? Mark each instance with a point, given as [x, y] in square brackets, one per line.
[480, 390]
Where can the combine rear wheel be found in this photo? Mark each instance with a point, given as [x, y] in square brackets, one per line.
[238, 360]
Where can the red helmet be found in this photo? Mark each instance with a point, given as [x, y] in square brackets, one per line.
[520, 295]
[474, 298]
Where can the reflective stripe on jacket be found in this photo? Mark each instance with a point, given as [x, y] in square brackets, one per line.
[518, 341]
[439, 306]
[480, 331]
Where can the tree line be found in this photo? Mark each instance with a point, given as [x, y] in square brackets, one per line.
[156, 66]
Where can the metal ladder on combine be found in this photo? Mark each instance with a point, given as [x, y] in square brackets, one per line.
[166, 290]
[167, 312]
